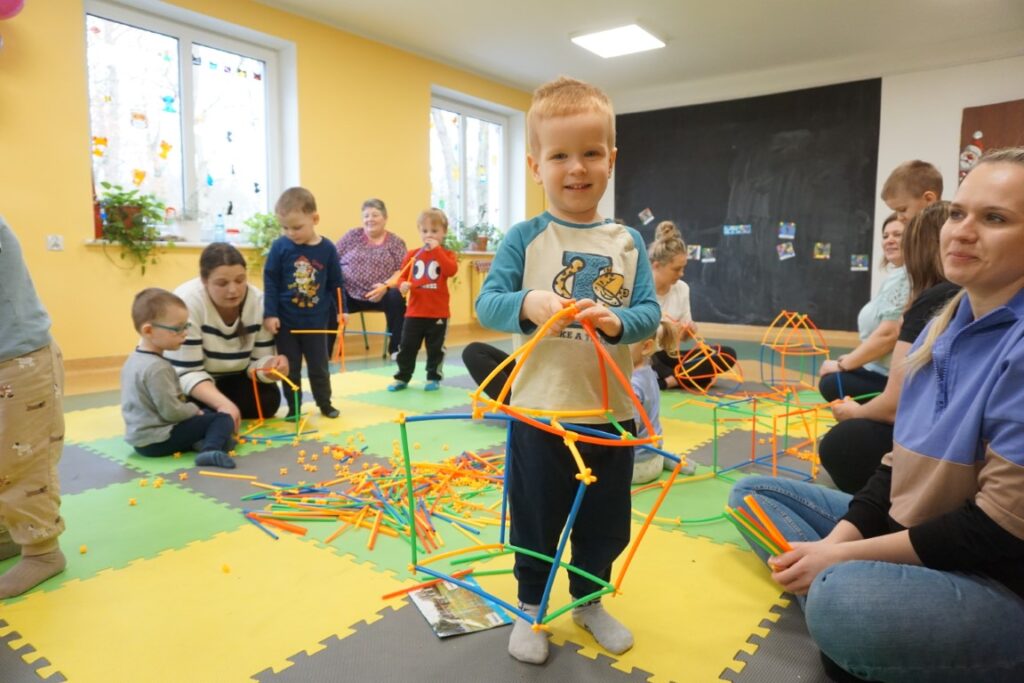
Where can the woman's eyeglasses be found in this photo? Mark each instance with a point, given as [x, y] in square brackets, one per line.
[176, 329]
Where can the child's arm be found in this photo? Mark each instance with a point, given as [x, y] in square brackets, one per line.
[165, 392]
[449, 262]
[272, 287]
[501, 302]
[640, 319]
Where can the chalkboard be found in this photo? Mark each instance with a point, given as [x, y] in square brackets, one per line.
[807, 157]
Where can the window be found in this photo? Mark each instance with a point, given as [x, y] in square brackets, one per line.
[469, 164]
[184, 113]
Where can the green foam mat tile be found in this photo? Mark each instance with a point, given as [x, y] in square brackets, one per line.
[692, 502]
[432, 436]
[414, 398]
[114, 532]
[453, 369]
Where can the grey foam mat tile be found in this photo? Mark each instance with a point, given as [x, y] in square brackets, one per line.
[266, 466]
[81, 470]
[13, 669]
[787, 653]
[401, 647]
[734, 448]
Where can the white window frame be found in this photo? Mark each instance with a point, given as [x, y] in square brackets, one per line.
[513, 128]
[278, 55]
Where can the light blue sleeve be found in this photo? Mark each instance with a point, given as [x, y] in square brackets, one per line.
[640, 319]
[501, 297]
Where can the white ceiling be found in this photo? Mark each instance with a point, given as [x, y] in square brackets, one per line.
[716, 49]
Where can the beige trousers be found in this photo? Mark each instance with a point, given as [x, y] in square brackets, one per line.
[31, 441]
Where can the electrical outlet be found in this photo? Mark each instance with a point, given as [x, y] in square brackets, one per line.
[55, 242]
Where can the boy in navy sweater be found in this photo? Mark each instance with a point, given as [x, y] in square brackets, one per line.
[301, 279]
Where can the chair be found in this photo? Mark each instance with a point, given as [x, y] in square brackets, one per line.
[366, 340]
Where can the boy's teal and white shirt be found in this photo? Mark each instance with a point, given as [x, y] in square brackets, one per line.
[602, 261]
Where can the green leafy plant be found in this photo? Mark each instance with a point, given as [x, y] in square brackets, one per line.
[482, 237]
[132, 220]
[263, 230]
[453, 243]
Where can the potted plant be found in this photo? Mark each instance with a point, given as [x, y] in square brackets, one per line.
[263, 230]
[481, 236]
[132, 219]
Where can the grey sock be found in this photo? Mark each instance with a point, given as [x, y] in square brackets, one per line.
[606, 629]
[215, 459]
[526, 644]
[31, 571]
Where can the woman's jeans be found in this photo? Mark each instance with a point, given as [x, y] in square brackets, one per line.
[894, 622]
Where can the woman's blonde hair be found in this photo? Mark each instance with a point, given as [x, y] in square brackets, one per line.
[668, 243]
[923, 355]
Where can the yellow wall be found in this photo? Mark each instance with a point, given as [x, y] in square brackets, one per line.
[363, 127]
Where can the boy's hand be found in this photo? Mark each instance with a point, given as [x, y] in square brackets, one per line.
[272, 324]
[405, 287]
[600, 316]
[539, 306]
[429, 243]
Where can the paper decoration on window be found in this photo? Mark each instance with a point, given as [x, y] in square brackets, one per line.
[197, 60]
[822, 250]
[256, 188]
[742, 229]
[209, 180]
[787, 231]
[859, 262]
[785, 250]
[693, 252]
[243, 73]
[227, 69]
[229, 136]
[138, 175]
[231, 209]
[707, 255]
[166, 56]
[646, 216]
[165, 148]
[139, 120]
[169, 104]
[99, 145]
[213, 66]
[258, 77]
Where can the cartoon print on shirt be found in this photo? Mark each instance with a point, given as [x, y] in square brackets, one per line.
[592, 277]
[307, 292]
[429, 270]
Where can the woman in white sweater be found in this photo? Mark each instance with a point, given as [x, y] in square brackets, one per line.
[227, 342]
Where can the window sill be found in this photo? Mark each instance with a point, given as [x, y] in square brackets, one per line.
[169, 244]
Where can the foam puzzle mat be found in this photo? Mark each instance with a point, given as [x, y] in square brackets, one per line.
[167, 580]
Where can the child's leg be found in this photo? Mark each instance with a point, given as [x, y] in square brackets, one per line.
[481, 359]
[238, 388]
[435, 334]
[211, 431]
[314, 348]
[393, 305]
[413, 333]
[31, 441]
[288, 346]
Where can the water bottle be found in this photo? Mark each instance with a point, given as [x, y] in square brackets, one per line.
[219, 231]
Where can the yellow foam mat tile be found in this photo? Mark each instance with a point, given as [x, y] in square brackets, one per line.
[354, 382]
[682, 436]
[355, 415]
[216, 610]
[93, 423]
[674, 578]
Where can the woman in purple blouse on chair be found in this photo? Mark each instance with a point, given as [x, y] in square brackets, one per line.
[369, 256]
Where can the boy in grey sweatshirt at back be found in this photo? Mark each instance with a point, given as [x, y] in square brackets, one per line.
[158, 419]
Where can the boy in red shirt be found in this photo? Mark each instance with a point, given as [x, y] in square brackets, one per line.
[425, 282]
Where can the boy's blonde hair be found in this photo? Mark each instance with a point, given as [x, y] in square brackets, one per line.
[668, 243]
[151, 303]
[435, 216]
[295, 199]
[665, 339]
[566, 96]
[914, 178]
[919, 358]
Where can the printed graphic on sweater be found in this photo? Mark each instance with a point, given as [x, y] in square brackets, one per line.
[306, 291]
[591, 276]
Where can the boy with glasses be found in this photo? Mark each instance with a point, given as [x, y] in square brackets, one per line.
[158, 419]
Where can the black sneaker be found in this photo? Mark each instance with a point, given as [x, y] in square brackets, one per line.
[330, 411]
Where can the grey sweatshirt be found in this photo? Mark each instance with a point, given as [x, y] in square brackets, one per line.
[151, 399]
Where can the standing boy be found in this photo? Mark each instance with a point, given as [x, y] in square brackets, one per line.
[301, 280]
[424, 278]
[910, 187]
[570, 253]
[31, 428]
[158, 419]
